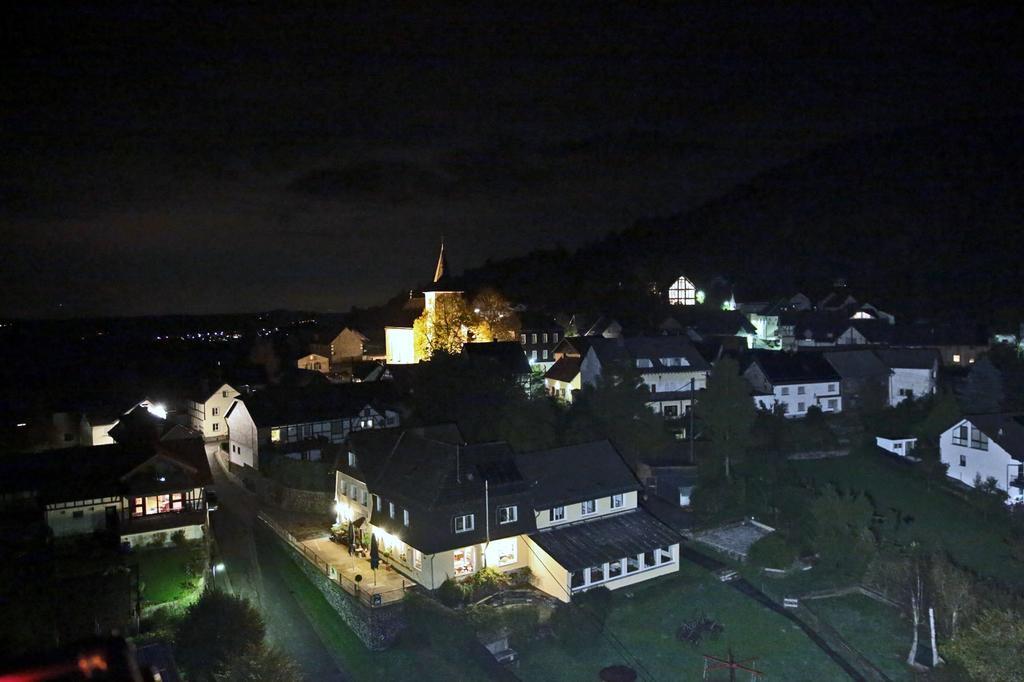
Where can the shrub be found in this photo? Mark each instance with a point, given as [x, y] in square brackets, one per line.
[521, 577]
[451, 593]
[485, 582]
[178, 538]
[213, 631]
[772, 551]
[158, 539]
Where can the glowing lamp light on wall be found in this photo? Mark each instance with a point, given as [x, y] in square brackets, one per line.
[157, 409]
[343, 511]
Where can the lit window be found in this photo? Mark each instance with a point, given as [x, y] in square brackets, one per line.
[405, 517]
[391, 509]
[956, 358]
[617, 501]
[378, 502]
[464, 523]
[533, 338]
[544, 337]
[502, 552]
[351, 459]
[522, 338]
[465, 561]
[556, 513]
[682, 292]
[588, 507]
[508, 514]
[275, 435]
[417, 559]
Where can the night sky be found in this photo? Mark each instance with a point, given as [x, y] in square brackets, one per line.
[161, 160]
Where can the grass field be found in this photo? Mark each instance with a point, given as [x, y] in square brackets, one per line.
[874, 629]
[646, 624]
[163, 573]
[940, 519]
[405, 661]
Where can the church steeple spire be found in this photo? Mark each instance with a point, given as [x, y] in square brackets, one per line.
[442, 265]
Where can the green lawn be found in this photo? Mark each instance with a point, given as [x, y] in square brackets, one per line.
[404, 661]
[874, 629]
[940, 520]
[646, 624]
[162, 572]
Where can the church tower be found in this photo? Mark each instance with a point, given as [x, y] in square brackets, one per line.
[441, 286]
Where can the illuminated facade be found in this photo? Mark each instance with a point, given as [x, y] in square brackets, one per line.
[683, 292]
[468, 507]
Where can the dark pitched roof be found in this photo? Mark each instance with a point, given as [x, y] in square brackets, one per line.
[654, 348]
[1005, 429]
[909, 358]
[101, 471]
[565, 369]
[575, 472]
[793, 368]
[289, 405]
[593, 543]
[856, 364]
[508, 354]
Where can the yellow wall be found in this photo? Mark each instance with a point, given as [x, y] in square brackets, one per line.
[548, 574]
[572, 511]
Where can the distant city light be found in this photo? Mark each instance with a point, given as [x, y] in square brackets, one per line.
[21, 424]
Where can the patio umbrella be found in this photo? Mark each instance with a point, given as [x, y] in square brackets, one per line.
[374, 556]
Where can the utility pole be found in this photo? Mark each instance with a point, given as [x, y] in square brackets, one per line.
[692, 403]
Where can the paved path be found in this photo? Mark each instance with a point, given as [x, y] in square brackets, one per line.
[248, 573]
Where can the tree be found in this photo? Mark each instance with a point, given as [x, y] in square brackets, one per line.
[260, 663]
[213, 631]
[983, 389]
[616, 408]
[943, 413]
[840, 529]
[988, 496]
[992, 648]
[493, 317]
[727, 412]
[441, 328]
[954, 594]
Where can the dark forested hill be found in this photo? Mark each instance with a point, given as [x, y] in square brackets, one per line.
[922, 220]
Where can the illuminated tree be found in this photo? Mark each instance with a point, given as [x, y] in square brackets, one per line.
[442, 327]
[493, 317]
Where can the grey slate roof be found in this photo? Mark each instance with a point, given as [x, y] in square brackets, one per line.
[856, 364]
[573, 473]
[592, 543]
[280, 405]
[654, 348]
[794, 368]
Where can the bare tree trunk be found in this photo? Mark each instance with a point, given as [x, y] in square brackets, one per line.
[912, 656]
[935, 651]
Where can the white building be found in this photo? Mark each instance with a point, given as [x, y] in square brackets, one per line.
[987, 446]
[897, 446]
[793, 382]
[913, 372]
[207, 411]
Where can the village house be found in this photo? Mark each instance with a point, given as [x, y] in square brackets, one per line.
[347, 345]
[314, 362]
[980, 447]
[913, 372]
[208, 409]
[280, 416]
[538, 335]
[863, 379]
[443, 509]
[793, 382]
[139, 491]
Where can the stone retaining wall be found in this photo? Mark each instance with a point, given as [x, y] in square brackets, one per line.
[377, 628]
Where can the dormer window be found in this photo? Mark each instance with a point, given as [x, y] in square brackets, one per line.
[464, 523]
[509, 514]
[405, 517]
[617, 501]
[351, 459]
[556, 513]
[588, 507]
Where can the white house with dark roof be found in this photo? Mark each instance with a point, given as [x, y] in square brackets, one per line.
[981, 447]
[443, 509]
[793, 382]
[208, 408]
[913, 372]
[300, 417]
